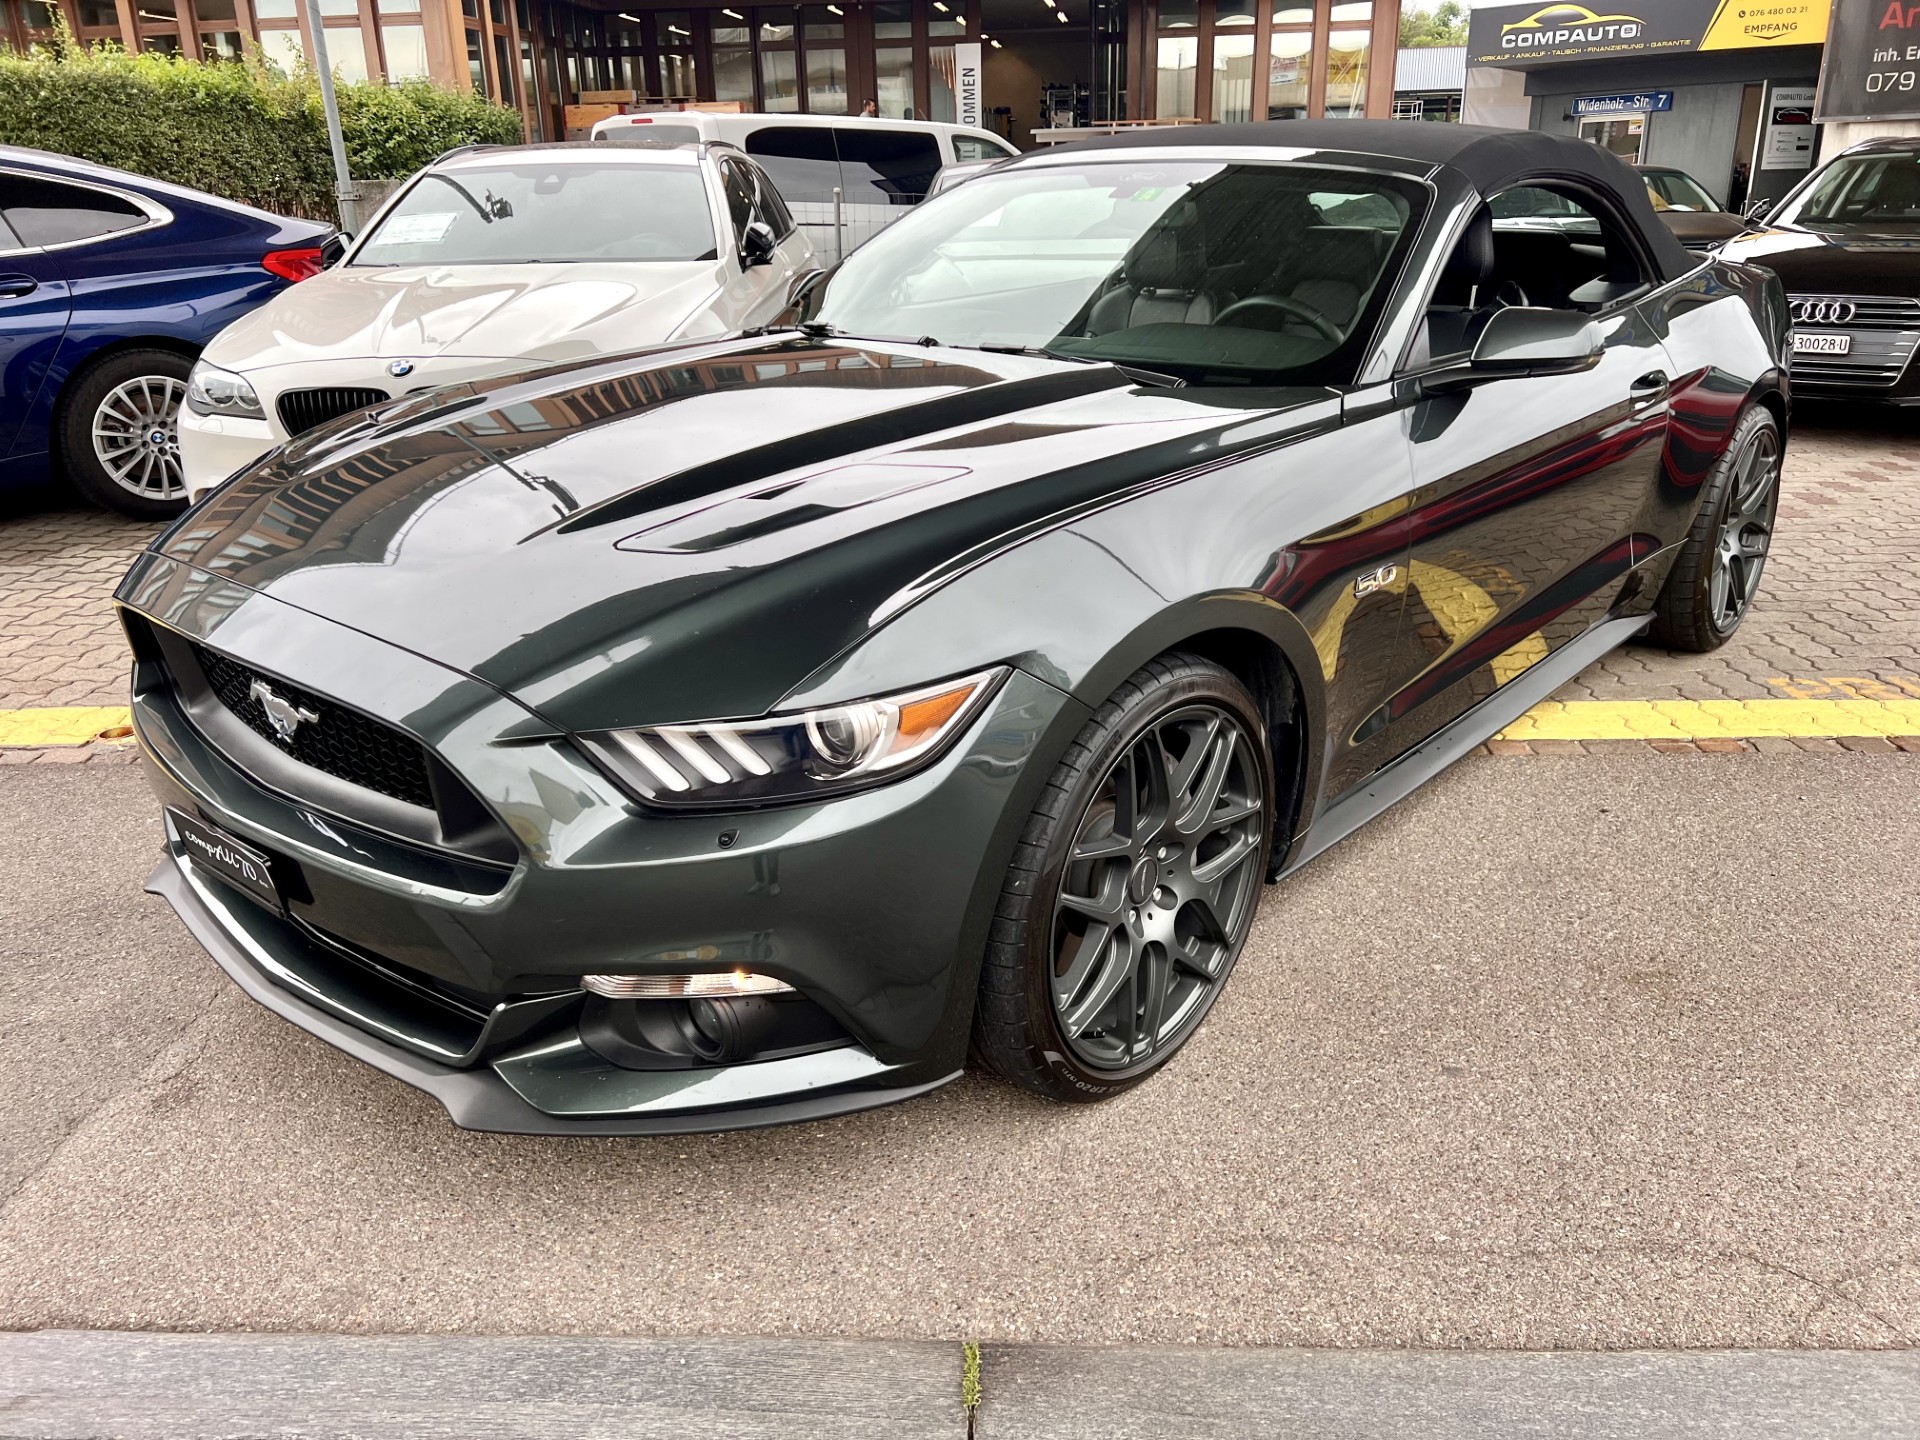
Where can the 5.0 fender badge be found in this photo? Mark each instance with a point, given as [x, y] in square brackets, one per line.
[1377, 580]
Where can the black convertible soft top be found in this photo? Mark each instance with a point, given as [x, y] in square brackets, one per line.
[1489, 159]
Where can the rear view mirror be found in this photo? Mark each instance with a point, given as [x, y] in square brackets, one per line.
[757, 244]
[1523, 340]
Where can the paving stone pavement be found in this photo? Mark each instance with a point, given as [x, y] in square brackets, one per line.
[1838, 616]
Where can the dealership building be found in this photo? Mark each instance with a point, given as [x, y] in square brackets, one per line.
[1045, 63]
[1729, 91]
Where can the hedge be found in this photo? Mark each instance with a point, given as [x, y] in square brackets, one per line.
[238, 129]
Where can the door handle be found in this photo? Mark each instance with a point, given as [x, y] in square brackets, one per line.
[12, 287]
[1650, 387]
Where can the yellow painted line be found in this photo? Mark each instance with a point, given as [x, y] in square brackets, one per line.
[1714, 719]
[59, 724]
[1552, 720]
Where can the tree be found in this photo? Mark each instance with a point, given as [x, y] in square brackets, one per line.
[1445, 24]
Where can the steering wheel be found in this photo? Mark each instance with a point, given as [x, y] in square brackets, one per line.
[1299, 310]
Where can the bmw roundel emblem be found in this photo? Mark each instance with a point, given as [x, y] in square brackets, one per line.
[399, 368]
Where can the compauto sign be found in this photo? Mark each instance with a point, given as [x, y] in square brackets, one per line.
[1532, 34]
[1871, 70]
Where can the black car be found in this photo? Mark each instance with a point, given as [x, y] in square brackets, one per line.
[1846, 243]
[745, 730]
[1685, 208]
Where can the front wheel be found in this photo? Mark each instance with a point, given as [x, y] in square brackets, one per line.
[1134, 887]
[1713, 582]
[120, 433]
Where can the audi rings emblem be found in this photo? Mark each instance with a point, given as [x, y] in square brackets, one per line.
[1821, 312]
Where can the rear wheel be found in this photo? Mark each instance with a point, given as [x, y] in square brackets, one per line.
[1134, 887]
[120, 433]
[1712, 584]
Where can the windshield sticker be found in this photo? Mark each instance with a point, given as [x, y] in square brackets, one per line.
[416, 229]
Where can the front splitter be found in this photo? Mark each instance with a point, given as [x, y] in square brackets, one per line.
[479, 1099]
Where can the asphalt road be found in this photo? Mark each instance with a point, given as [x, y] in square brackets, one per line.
[1589, 1052]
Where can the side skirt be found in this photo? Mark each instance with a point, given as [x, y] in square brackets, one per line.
[1412, 770]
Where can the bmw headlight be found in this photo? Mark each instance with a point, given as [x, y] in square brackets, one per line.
[213, 391]
[792, 757]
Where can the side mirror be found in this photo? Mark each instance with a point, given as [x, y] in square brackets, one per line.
[1757, 210]
[1524, 340]
[757, 244]
[333, 249]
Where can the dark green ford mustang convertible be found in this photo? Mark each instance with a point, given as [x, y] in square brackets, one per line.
[741, 731]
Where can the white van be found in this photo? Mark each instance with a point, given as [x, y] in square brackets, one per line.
[844, 177]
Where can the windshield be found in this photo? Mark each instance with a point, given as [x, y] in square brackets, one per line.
[534, 210]
[1228, 273]
[1676, 190]
[1868, 192]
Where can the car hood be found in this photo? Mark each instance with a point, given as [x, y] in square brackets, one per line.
[692, 534]
[1810, 262]
[538, 314]
[1700, 229]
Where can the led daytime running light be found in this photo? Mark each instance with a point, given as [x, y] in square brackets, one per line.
[684, 987]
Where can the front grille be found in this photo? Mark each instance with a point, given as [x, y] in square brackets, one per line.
[341, 742]
[303, 410]
[1885, 330]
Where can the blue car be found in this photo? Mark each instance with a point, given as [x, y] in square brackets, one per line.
[110, 284]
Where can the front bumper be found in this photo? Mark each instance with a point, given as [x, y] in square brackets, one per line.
[464, 979]
[216, 447]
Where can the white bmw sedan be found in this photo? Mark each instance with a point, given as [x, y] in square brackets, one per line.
[494, 260]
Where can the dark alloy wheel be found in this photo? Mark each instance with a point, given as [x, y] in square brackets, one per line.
[1151, 849]
[1713, 582]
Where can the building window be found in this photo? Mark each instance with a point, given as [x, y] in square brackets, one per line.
[1346, 94]
[1288, 64]
[893, 81]
[1175, 93]
[825, 39]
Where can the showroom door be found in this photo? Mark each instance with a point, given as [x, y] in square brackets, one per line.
[1624, 135]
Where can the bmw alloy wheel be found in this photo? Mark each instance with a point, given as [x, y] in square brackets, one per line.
[136, 436]
[1159, 889]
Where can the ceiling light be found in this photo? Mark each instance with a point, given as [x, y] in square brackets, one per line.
[836, 9]
[996, 44]
[733, 13]
[938, 6]
[634, 18]
[676, 30]
[1061, 16]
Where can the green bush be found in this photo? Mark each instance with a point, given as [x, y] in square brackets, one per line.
[243, 131]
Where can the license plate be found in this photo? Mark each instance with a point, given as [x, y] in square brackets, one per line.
[215, 852]
[1821, 344]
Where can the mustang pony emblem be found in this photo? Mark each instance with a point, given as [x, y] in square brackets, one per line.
[285, 716]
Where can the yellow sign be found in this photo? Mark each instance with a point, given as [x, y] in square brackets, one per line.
[1765, 24]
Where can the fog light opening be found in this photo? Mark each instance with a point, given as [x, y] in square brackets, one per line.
[719, 985]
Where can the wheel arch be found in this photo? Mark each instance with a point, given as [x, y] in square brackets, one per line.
[1265, 647]
[98, 355]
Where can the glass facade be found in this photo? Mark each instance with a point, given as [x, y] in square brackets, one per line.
[564, 64]
[1316, 59]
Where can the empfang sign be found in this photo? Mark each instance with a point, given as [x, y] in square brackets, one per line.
[1558, 26]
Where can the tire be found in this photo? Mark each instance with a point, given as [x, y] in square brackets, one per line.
[119, 435]
[1713, 582]
[1163, 952]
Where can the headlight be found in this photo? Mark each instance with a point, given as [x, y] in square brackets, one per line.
[792, 757]
[213, 391]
